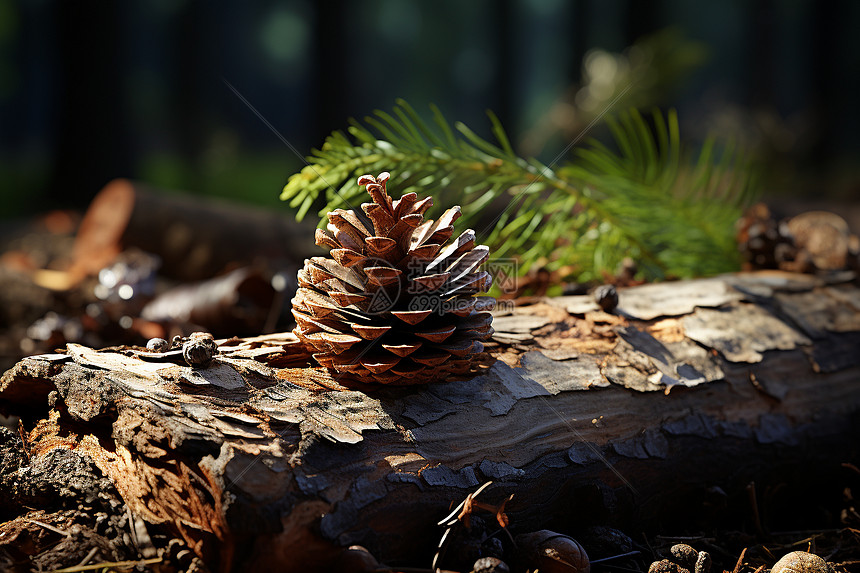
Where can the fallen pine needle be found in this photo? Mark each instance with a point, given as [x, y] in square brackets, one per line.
[628, 554]
[740, 561]
[106, 564]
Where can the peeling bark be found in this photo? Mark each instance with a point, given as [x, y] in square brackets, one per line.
[587, 417]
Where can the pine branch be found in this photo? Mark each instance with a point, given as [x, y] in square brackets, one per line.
[645, 201]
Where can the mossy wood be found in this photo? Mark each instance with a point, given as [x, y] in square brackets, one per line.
[587, 417]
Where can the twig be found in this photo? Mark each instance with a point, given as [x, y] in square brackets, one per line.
[836, 550]
[684, 538]
[810, 532]
[740, 562]
[461, 514]
[107, 564]
[403, 570]
[456, 511]
[89, 556]
[505, 529]
[620, 568]
[648, 545]
[23, 434]
[628, 554]
[715, 549]
[754, 505]
[441, 547]
[49, 527]
[808, 540]
[851, 467]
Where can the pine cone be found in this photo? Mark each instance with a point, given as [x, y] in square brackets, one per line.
[809, 242]
[766, 243]
[395, 303]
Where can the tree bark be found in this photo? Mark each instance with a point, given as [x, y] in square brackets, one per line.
[587, 417]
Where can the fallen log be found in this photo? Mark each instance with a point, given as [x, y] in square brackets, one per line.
[194, 239]
[689, 390]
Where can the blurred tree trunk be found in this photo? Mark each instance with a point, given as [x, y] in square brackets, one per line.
[91, 132]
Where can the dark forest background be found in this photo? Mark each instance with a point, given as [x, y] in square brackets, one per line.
[94, 90]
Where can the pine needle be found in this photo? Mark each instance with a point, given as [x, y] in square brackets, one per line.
[107, 565]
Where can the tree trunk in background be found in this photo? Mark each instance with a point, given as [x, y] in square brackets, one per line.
[91, 130]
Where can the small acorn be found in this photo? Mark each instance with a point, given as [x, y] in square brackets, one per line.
[606, 296]
[801, 562]
[199, 350]
[666, 566]
[703, 563]
[157, 345]
[355, 559]
[552, 552]
[684, 555]
[490, 565]
[685, 560]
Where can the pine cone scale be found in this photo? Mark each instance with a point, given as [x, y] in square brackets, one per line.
[321, 269]
[468, 263]
[369, 332]
[405, 204]
[380, 217]
[324, 238]
[412, 317]
[470, 284]
[380, 364]
[403, 350]
[462, 347]
[349, 222]
[437, 335]
[464, 243]
[380, 246]
[347, 257]
[432, 358]
[430, 283]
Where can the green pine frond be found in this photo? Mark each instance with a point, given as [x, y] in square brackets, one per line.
[646, 200]
[678, 216]
[450, 163]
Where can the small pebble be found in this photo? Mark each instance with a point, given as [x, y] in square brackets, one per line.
[199, 350]
[666, 566]
[801, 562]
[490, 565]
[606, 296]
[604, 541]
[492, 547]
[703, 563]
[157, 345]
[684, 555]
[549, 552]
[356, 559]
